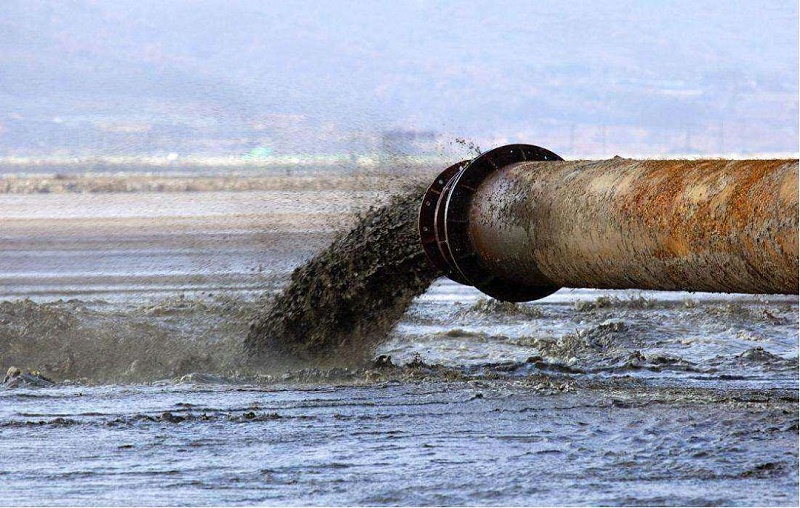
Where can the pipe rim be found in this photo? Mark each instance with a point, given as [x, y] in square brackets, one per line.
[455, 201]
[428, 224]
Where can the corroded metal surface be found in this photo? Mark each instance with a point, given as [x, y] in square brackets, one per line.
[707, 225]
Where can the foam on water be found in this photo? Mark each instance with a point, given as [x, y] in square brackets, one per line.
[711, 338]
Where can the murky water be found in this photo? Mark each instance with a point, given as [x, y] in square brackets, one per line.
[586, 397]
[344, 301]
[430, 443]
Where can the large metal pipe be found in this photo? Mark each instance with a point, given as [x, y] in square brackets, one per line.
[519, 223]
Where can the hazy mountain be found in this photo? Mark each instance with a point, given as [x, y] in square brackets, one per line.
[319, 70]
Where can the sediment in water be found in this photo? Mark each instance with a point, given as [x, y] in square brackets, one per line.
[340, 305]
[98, 342]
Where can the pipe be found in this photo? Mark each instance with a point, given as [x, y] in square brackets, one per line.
[519, 223]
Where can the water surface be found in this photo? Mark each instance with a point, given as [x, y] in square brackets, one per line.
[583, 398]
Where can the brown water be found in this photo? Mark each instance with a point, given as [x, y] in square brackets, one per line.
[344, 302]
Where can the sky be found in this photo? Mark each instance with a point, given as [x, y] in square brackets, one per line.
[617, 75]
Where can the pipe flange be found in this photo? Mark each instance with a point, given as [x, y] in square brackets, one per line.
[455, 201]
[430, 208]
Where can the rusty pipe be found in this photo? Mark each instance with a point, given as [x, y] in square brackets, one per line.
[518, 223]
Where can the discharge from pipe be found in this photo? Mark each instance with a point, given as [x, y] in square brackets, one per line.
[518, 223]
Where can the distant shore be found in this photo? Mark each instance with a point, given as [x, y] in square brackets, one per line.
[106, 183]
[382, 179]
[131, 174]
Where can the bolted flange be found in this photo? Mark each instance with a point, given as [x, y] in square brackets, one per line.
[444, 222]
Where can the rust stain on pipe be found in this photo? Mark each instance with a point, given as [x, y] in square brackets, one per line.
[706, 225]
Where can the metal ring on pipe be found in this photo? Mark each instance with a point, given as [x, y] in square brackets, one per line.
[443, 227]
[428, 224]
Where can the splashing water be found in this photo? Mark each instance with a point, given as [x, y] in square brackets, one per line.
[344, 301]
[336, 309]
[85, 341]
